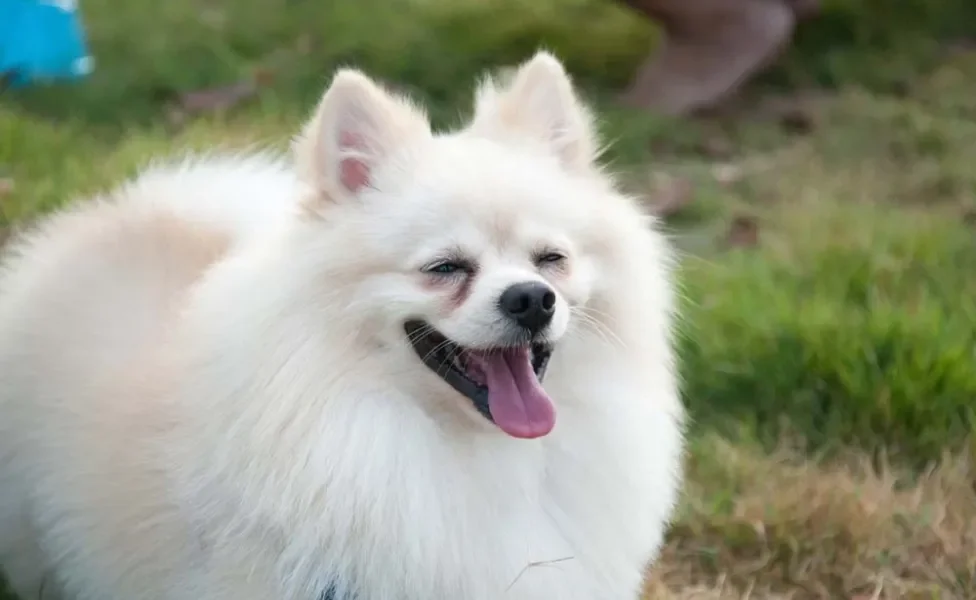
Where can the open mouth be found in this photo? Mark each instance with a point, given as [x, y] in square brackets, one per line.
[504, 384]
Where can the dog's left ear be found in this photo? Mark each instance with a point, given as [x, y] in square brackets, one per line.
[357, 128]
[539, 102]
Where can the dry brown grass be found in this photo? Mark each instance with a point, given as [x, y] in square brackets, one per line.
[772, 526]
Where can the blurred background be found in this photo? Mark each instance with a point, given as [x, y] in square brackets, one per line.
[814, 162]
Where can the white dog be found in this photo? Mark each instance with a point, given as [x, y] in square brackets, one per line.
[412, 366]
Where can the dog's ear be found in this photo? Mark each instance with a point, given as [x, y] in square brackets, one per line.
[358, 125]
[538, 101]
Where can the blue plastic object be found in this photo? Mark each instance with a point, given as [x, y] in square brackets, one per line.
[41, 41]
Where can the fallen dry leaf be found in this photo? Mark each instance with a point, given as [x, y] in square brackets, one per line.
[796, 113]
[798, 120]
[216, 98]
[716, 146]
[222, 97]
[960, 46]
[743, 232]
[969, 217]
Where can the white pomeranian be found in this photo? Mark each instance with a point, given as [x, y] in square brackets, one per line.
[410, 366]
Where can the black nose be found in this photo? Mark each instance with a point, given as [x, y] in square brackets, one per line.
[530, 304]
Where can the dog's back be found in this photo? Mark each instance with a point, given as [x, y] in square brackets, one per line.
[85, 296]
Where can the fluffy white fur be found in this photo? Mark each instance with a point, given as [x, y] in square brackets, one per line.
[207, 392]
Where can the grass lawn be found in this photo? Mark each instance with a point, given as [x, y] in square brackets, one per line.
[828, 239]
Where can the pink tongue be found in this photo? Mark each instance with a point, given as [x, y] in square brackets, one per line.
[518, 404]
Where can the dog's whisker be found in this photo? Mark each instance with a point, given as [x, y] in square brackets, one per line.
[598, 324]
[425, 330]
[436, 349]
[598, 327]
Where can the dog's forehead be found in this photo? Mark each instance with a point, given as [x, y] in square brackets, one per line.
[475, 226]
[492, 184]
[485, 217]
[481, 195]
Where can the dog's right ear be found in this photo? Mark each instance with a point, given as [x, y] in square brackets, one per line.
[356, 128]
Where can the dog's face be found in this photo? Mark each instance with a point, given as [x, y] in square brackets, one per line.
[476, 249]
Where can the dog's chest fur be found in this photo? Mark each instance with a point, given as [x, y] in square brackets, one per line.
[574, 516]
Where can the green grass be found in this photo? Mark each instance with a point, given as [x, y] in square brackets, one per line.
[855, 320]
[850, 326]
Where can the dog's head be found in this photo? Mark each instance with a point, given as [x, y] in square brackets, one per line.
[468, 254]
